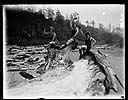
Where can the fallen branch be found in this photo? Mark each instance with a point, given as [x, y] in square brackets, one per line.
[11, 70]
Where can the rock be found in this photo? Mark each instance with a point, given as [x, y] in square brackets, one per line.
[41, 60]
[30, 60]
[10, 60]
[36, 59]
[21, 56]
[11, 64]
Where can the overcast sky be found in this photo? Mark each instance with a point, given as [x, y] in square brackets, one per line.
[102, 13]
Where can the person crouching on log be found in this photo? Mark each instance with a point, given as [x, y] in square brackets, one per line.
[89, 42]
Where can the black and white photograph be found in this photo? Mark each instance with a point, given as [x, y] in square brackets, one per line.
[64, 51]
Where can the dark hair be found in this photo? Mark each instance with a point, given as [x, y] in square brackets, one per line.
[74, 18]
[52, 28]
[48, 28]
[87, 33]
[79, 27]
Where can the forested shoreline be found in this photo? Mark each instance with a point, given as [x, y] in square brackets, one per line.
[25, 27]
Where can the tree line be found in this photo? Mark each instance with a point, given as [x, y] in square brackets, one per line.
[26, 26]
